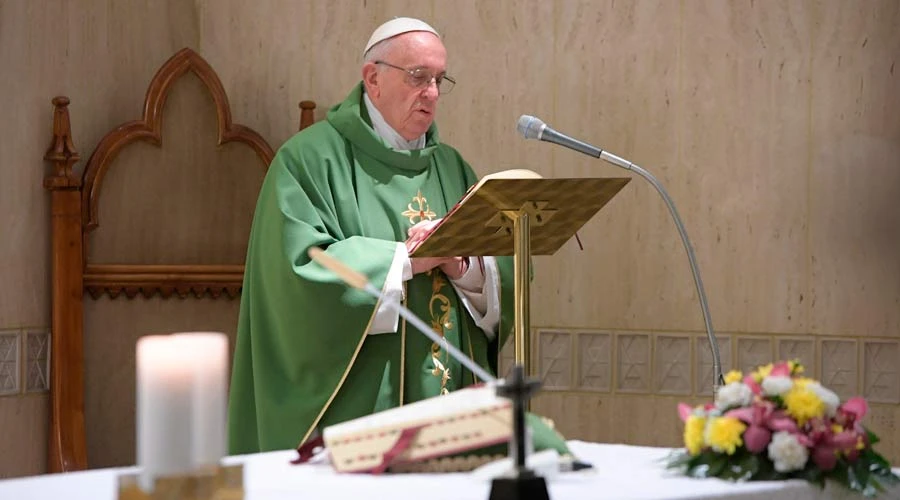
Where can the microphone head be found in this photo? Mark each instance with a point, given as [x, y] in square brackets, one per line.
[531, 127]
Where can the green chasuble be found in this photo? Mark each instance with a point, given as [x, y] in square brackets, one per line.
[303, 359]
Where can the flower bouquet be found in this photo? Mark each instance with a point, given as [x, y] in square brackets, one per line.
[773, 423]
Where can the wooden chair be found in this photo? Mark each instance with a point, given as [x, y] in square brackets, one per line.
[76, 215]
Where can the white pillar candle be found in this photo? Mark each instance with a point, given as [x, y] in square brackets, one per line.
[181, 403]
[208, 395]
[164, 390]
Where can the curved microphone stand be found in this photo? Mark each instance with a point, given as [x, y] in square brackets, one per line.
[533, 128]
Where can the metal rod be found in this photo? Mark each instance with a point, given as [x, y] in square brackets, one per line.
[420, 325]
[718, 378]
[358, 280]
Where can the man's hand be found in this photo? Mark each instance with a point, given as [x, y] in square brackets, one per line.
[425, 264]
[419, 232]
[453, 267]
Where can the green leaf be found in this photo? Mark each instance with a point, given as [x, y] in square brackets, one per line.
[699, 464]
[876, 462]
[884, 474]
[876, 482]
[853, 480]
[872, 437]
[862, 472]
[840, 474]
[679, 460]
[699, 471]
[813, 474]
[717, 464]
[766, 471]
[739, 466]
[750, 463]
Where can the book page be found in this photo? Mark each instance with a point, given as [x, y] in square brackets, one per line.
[439, 406]
[515, 173]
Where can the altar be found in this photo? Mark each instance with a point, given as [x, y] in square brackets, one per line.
[619, 472]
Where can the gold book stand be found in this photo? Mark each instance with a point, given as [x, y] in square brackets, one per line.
[219, 483]
[519, 217]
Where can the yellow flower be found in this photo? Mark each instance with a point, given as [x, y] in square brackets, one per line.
[724, 434]
[693, 434]
[802, 403]
[795, 367]
[733, 376]
[837, 429]
[762, 372]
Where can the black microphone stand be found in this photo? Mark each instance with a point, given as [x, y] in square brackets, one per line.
[522, 483]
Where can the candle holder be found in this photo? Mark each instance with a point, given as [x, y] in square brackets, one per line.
[218, 483]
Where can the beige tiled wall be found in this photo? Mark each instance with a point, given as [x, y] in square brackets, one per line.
[24, 379]
[771, 124]
[655, 370]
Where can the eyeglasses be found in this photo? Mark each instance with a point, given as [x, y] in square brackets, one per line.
[421, 78]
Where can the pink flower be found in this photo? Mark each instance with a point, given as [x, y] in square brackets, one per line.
[753, 385]
[849, 416]
[756, 438]
[684, 411]
[851, 412]
[781, 370]
[762, 419]
[826, 444]
[824, 457]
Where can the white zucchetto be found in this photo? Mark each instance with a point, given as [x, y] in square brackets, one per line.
[397, 26]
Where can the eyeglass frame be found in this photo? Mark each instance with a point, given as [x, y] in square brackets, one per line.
[411, 75]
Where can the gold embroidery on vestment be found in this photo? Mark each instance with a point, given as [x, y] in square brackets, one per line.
[440, 319]
[421, 211]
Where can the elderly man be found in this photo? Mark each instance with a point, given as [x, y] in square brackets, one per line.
[364, 185]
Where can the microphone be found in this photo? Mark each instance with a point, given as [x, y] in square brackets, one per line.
[534, 128]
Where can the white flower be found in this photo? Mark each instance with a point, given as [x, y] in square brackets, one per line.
[831, 400]
[734, 394]
[776, 385]
[787, 453]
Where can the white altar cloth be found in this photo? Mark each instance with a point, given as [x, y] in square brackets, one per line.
[620, 472]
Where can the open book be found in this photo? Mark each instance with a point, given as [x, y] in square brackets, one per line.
[465, 426]
[517, 173]
[513, 173]
[458, 422]
[482, 222]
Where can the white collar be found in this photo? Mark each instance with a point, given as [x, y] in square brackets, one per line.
[386, 132]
